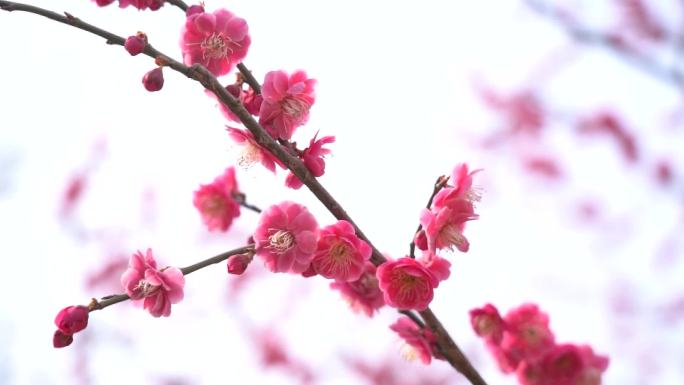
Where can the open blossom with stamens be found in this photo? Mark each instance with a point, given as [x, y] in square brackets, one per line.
[340, 254]
[252, 152]
[155, 289]
[216, 202]
[286, 104]
[444, 227]
[286, 237]
[420, 342]
[407, 284]
[364, 294]
[217, 40]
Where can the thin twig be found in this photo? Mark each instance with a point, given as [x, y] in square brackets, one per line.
[114, 299]
[439, 184]
[294, 164]
[178, 3]
[249, 78]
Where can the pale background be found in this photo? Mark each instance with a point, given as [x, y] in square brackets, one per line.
[396, 89]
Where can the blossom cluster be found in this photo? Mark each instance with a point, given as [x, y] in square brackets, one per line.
[522, 342]
[142, 5]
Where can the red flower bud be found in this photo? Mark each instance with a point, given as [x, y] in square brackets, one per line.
[154, 80]
[136, 44]
[60, 340]
[237, 264]
[193, 9]
[72, 319]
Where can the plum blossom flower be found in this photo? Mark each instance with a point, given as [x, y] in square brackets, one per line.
[217, 40]
[340, 254]
[527, 333]
[438, 266]
[286, 104]
[462, 181]
[487, 323]
[142, 4]
[155, 289]
[364, 294]
[444, 227]
[565, 364]
[407, 284]
[313, 159]
[286, 237]
[420, 342]
[216, 201]
[252, 152]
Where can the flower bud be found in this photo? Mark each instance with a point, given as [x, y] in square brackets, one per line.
[154, 80]
[72, 319]
[237, 264]
[136, 44]
[155, 4]
[421, 240]
[60, 340]
[193, 9]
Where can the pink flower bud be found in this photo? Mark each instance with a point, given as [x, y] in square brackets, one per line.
[136, 44]
[102, 3]
[155, 4]
[237, 264]
[154, 80]
[72, 319]
[193, 9]
[421, 240]
[60, 340]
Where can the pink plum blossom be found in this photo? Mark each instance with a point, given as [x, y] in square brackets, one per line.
[565, 364]
[364, 294]
[487, 323]
[252, 152]
[444, 227]
[286, 104]
[438, 266]
[216, 201]
[462, 181]
[527, 333]
[286, 237]
[217, 40]
[313, 159]
[407, 284]
[155, 289]
[420, 342]
[142, 4]
[340, 254]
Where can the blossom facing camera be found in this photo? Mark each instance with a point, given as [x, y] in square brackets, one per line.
[156, 290]
[407, 284]
[340, 254]
[286, 238]
[217, 40]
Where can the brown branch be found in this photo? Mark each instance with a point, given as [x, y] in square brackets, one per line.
[114, 299]
[249, 78]
[439, 184]
[178, 3]
[209, 81]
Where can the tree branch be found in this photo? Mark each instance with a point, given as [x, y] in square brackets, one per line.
[178, 3]
[114, 299]
[294, 164]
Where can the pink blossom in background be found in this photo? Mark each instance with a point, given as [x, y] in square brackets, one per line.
[527, 333]
[364, 294]
[252, 152]
[565, 364]
[216, 202]
[286, 237]
[608, 123]
[155, 289]
[217, 40]
[286, 104]
[487, 323]
[340, 254]
[407, 284]
[420, 342]
[72, 319]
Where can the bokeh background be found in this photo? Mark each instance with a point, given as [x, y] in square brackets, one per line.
[574, 113]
